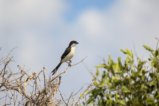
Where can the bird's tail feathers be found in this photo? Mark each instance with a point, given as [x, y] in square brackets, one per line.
[56, 68]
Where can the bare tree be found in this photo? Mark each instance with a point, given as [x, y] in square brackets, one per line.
[23, 89]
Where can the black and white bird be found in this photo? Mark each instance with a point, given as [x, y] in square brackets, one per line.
[67, 55]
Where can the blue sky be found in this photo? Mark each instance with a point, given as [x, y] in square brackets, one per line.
[41, 30]
[77, 7]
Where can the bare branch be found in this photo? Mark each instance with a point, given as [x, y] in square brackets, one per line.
[79, 61]
[36, 89]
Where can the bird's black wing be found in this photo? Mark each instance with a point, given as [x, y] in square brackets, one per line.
[67, 51]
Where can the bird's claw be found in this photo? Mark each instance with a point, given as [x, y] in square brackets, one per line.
[69, 63]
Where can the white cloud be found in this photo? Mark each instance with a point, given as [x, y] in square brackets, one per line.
[24, 11]
[26, 24]
[91, 22]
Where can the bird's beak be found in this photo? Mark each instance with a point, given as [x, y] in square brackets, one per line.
[77, 43]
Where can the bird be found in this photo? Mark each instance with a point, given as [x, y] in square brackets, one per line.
[67, 55]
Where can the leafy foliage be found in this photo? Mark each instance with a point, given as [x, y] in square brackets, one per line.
[129, 82]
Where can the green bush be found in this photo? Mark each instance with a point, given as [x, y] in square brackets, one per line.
[131, 81]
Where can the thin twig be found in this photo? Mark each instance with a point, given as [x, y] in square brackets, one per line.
[79, 62]
[63, 98]
[71, 95]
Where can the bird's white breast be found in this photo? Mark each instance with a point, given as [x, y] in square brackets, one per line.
[73, 50]
[70, 55]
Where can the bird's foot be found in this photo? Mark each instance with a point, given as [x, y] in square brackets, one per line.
[69, 63]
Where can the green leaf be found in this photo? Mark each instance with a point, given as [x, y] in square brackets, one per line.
[116, 68]
[95, 83]
[156, 53]
[116, 96]
[143, 87]
[110, 61]
[157, 96]
[125, 89]
[109, 102]
[120, 62]
[140, 64]
[122, 102]
[127, 52]
[153, 83]
[150, 101]
[103, 83]
[157, 76]
[154, 62]
[148, 48]
[91, 99]
[115, 79]
[101, 66]
[123, 51]
[97, 72]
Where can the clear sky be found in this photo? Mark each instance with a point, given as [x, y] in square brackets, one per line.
[41, 30]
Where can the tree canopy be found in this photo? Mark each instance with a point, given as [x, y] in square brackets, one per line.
[131, 81]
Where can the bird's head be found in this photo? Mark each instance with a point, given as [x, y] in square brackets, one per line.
[73, 43]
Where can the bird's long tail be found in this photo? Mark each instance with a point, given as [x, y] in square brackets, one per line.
[56, 68]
